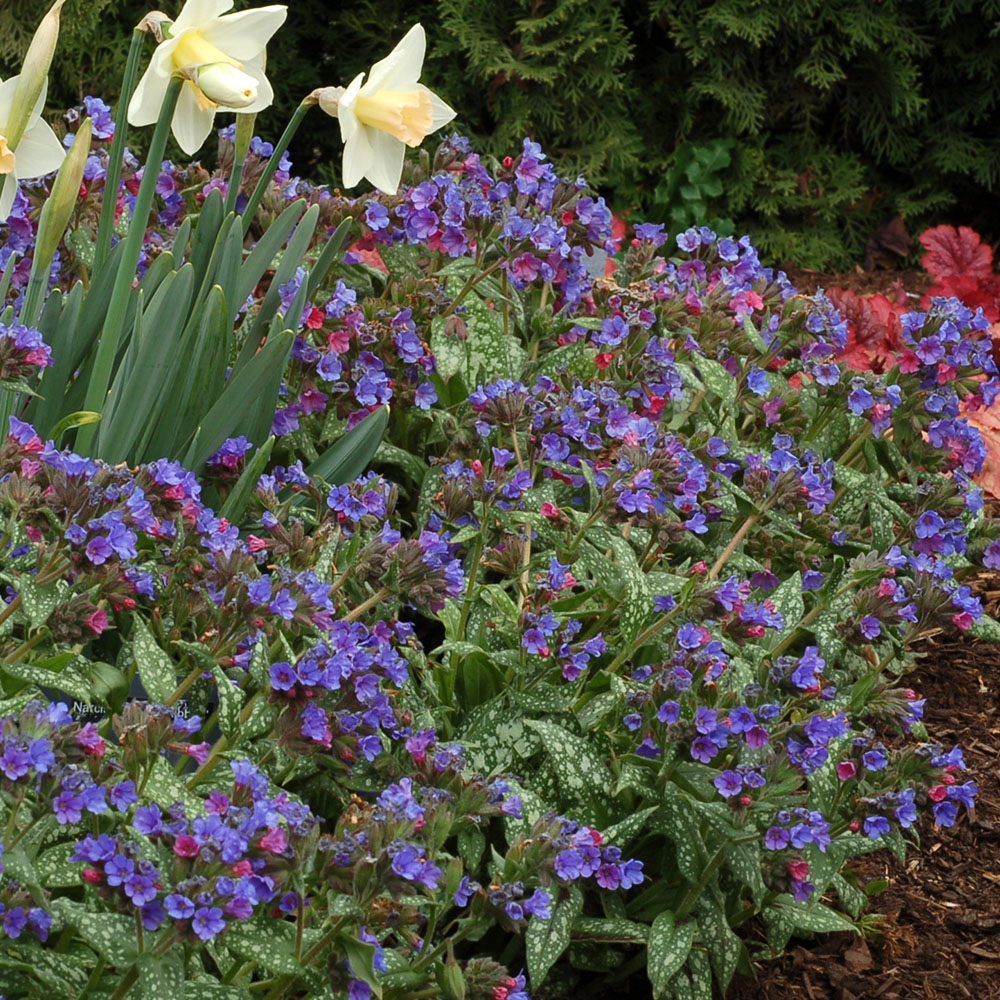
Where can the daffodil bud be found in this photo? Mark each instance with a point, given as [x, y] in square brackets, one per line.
[62, 199]
[327, 98]
[226, 86]
[34, 75]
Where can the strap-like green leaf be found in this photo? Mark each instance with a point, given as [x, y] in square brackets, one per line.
[237, 502]
[250, 392]
[351, 455]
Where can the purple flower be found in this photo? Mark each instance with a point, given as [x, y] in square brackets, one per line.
[538, 905]
[609, 876]
[704, 750]
[728, 783]
[208, 922]
[283, 677]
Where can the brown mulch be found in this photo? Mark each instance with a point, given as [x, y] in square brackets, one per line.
[940, 937]
[884, 281]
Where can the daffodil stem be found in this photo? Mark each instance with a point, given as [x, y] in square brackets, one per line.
[241, 146]
[109, 205]
[114, 320]
[272, 164]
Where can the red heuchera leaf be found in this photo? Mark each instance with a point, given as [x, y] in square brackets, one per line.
[983, 292]
[957, 252]
[873, 332]
[987, 420]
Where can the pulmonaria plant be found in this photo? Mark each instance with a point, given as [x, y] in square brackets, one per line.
[605, 662]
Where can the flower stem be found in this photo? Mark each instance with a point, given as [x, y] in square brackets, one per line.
[109, 204]
[111, 334]
[241, 146]
[367, 605]
[272, 164]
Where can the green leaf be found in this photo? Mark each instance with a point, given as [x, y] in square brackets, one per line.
[546, 940]
[165, 788]
[353, 453]
[55, 870]
[724, 947]
[38, 602]
[197, 380]
[70, 678]
[239, 499]
[362, 959]
[620, 833]
[156, 669]
[230, 705]
[613, 930]
[789, 601]
[717, 380]
[582, 772]
[449, 352]
[160, 976]
[292, 257]
[78, 419]
[746, 864]
[667, 949]
[213, 991]
[271, 944]
[403, 261]
[785, 916]
[471, 845]
[111, 935]
[492, 353]
[986, 628]
[246, 404]
[262, 255]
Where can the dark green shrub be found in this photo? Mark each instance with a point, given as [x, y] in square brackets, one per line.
[839, 113]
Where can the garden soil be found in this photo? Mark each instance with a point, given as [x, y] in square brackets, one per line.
[939, 938]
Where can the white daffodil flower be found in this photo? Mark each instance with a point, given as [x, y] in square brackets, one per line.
[388, 112]
[222, 59]
[36, 153]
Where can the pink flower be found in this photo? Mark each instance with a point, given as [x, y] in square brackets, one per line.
[550, 510]
[938, 793]
[256, 544]
[846, 770]
[98, 621]
[274, 840]
[198, 751]
[185, 846]
[963, 620]
[798, 870]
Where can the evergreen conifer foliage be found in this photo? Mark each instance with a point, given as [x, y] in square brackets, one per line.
[840, 113]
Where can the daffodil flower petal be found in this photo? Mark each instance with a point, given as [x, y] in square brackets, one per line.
[7, 196]
[402, 66]
[244, 35]
[199, 11]
[386, 166]
[39, 152]
[265, 95]
[192, 124]
[442, 113]
[7, 88]
[383, 115]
